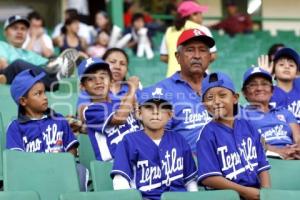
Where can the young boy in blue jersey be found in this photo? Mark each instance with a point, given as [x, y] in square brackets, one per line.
[38, 128]
[287, 90]
[230, 154]
[154, 160]
[277, 125]
[107, 120]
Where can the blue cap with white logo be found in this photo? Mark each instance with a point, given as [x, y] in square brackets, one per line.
[153, 94]
[91, 63]
[23, 82]
[256, 71]
[217, 79]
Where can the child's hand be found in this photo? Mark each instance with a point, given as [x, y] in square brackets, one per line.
[251, 194]
[263, 62]
[133, 82]
[74, 123]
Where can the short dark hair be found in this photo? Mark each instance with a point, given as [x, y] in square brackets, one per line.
[273, 49]
[93, 70]
[136, 17]
[114, 49]
[69, 21]
[34, 15]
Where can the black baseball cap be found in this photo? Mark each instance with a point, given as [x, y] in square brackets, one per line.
[14, 19]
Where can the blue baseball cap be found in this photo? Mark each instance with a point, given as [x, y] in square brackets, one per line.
[290, 53]
[153, 94]
[217, 79]
[91, 63]
[23, 82]
[256, 71]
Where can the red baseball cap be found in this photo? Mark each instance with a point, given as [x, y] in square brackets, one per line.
[195, 34]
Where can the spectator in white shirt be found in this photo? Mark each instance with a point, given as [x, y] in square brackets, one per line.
[85, 31]
[37, 39]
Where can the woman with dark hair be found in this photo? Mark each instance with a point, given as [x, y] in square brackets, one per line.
[103, 23]
[69, 37]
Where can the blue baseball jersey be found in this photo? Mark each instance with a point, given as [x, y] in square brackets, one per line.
[290, 100]
[190, 115]
[154, 169]
[84, 98]
[234, 153]
[103, 136]
[50, 134]
[273, 125]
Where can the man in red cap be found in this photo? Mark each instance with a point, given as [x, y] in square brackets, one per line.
[184, 87]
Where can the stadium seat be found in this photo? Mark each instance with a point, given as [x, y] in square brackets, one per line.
[272, 194]
[48, 174]
[19, 195]
[85, 150]
[2, 145]
[101, 175]
[284, 174]
[109, 195]
[202, 195]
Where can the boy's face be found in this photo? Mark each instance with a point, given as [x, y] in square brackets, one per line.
[285, 69]
[220, 102]
[154, 115]
[138, 24]
[258, 90]
[97, 84]
[36, 100]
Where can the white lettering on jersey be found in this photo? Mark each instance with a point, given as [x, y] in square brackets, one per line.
[232, 160]
[170, 164]
[51, 136]
[131, 124]
[32, 146]
[275, 133]
[294, 107]
[193, 120]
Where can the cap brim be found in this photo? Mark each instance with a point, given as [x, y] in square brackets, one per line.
[210, 42]
[257, 74]
[24, 21]
[92, 67]
[158, 101]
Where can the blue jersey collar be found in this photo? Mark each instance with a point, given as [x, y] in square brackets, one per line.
[177, 78]
[24, 119]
